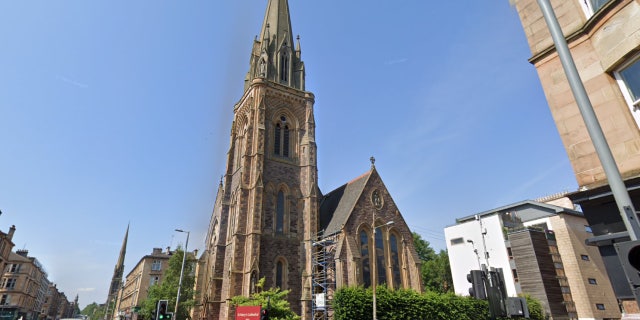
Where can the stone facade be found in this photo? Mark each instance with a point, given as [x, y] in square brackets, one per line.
[604, 40]
[587, 276]
[147, 272]
[600, 44]
[267, 215]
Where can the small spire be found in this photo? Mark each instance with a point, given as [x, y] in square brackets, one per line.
[373, 162]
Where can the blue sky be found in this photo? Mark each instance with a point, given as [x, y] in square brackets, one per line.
[119, 112]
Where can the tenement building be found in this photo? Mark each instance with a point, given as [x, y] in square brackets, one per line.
[270, 218]
[604, 40]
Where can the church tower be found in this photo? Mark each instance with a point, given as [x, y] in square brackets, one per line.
[116, 280]
[266, 209]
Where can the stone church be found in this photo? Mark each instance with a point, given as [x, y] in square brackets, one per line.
[269, 214]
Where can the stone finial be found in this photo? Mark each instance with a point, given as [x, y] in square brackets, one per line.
[373, 162]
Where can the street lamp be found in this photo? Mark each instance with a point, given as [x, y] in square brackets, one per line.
[375, 261]
[184, 257]
[476, 252]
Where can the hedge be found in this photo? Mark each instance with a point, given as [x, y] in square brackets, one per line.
[357, 303]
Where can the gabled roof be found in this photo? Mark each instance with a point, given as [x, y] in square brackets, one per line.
[337, 205]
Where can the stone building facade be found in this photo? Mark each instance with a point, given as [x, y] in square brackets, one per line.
[147, 272]
[23, 286]
[267, 214]
[604, 39]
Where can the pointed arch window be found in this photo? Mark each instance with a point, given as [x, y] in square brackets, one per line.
[281, 140]
[253, 281]
[284, 66]
[364, 254]
[280, 213]
[379, 257]
[395, 261]
[281, 274]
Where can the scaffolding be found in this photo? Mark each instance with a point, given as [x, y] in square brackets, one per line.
[323, 276]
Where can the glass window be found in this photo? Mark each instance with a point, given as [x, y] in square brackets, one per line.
[280, 213]
[592, 281]
[600, 306]
[279, 274]
[156, 265]
[597, 4]
[584, 257]
[457, 241]
[380, 269]
[630, 76]
[276, 140]
[364, 253]
[588, 229]
[281, 138]
[395, 261]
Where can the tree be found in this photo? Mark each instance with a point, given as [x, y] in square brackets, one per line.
[274, 299]
[435, 271]
[167, 289]
[94, 311]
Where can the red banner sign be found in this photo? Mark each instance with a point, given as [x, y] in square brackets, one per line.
[248, 312]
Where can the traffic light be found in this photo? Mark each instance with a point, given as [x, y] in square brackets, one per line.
[629, 255]
[477, 290]
[264, 315]
[161, 310]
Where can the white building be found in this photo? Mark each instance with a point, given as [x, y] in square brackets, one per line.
[542, 252]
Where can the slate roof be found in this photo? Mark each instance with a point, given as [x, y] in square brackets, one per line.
[337, 205]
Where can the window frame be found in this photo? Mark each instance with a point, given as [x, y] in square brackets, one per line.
[634, 106]
[587, 8]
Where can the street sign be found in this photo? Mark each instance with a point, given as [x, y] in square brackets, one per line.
[248, 312]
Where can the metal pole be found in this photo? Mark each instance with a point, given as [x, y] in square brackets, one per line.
[619, 190]
[184, 257]
[374, 254]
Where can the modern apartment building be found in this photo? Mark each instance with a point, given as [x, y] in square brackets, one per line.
[541, 250]
[604, 39]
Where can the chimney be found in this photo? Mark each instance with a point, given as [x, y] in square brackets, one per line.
[22, 252]
[156, 251]
[12, 230]
[168, 250]
[195, 253]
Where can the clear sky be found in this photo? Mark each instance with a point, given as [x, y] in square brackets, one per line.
[119, 112]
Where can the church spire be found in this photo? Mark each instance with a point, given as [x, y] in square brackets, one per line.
[116, 280]
[275, 55]
[123, 250]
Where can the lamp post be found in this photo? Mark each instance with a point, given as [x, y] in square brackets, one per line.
[375, 260]
[184, 257]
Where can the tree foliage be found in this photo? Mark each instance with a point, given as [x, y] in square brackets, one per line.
[94, 311]
[435, 270]
[167, 289]
[273, 299]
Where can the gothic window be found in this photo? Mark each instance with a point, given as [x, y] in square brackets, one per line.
[280, 213]
[253, 281]
[284, 66]
[364, 253]
[395, 261]
[379, 253]
[281, 274]
[281, 138]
